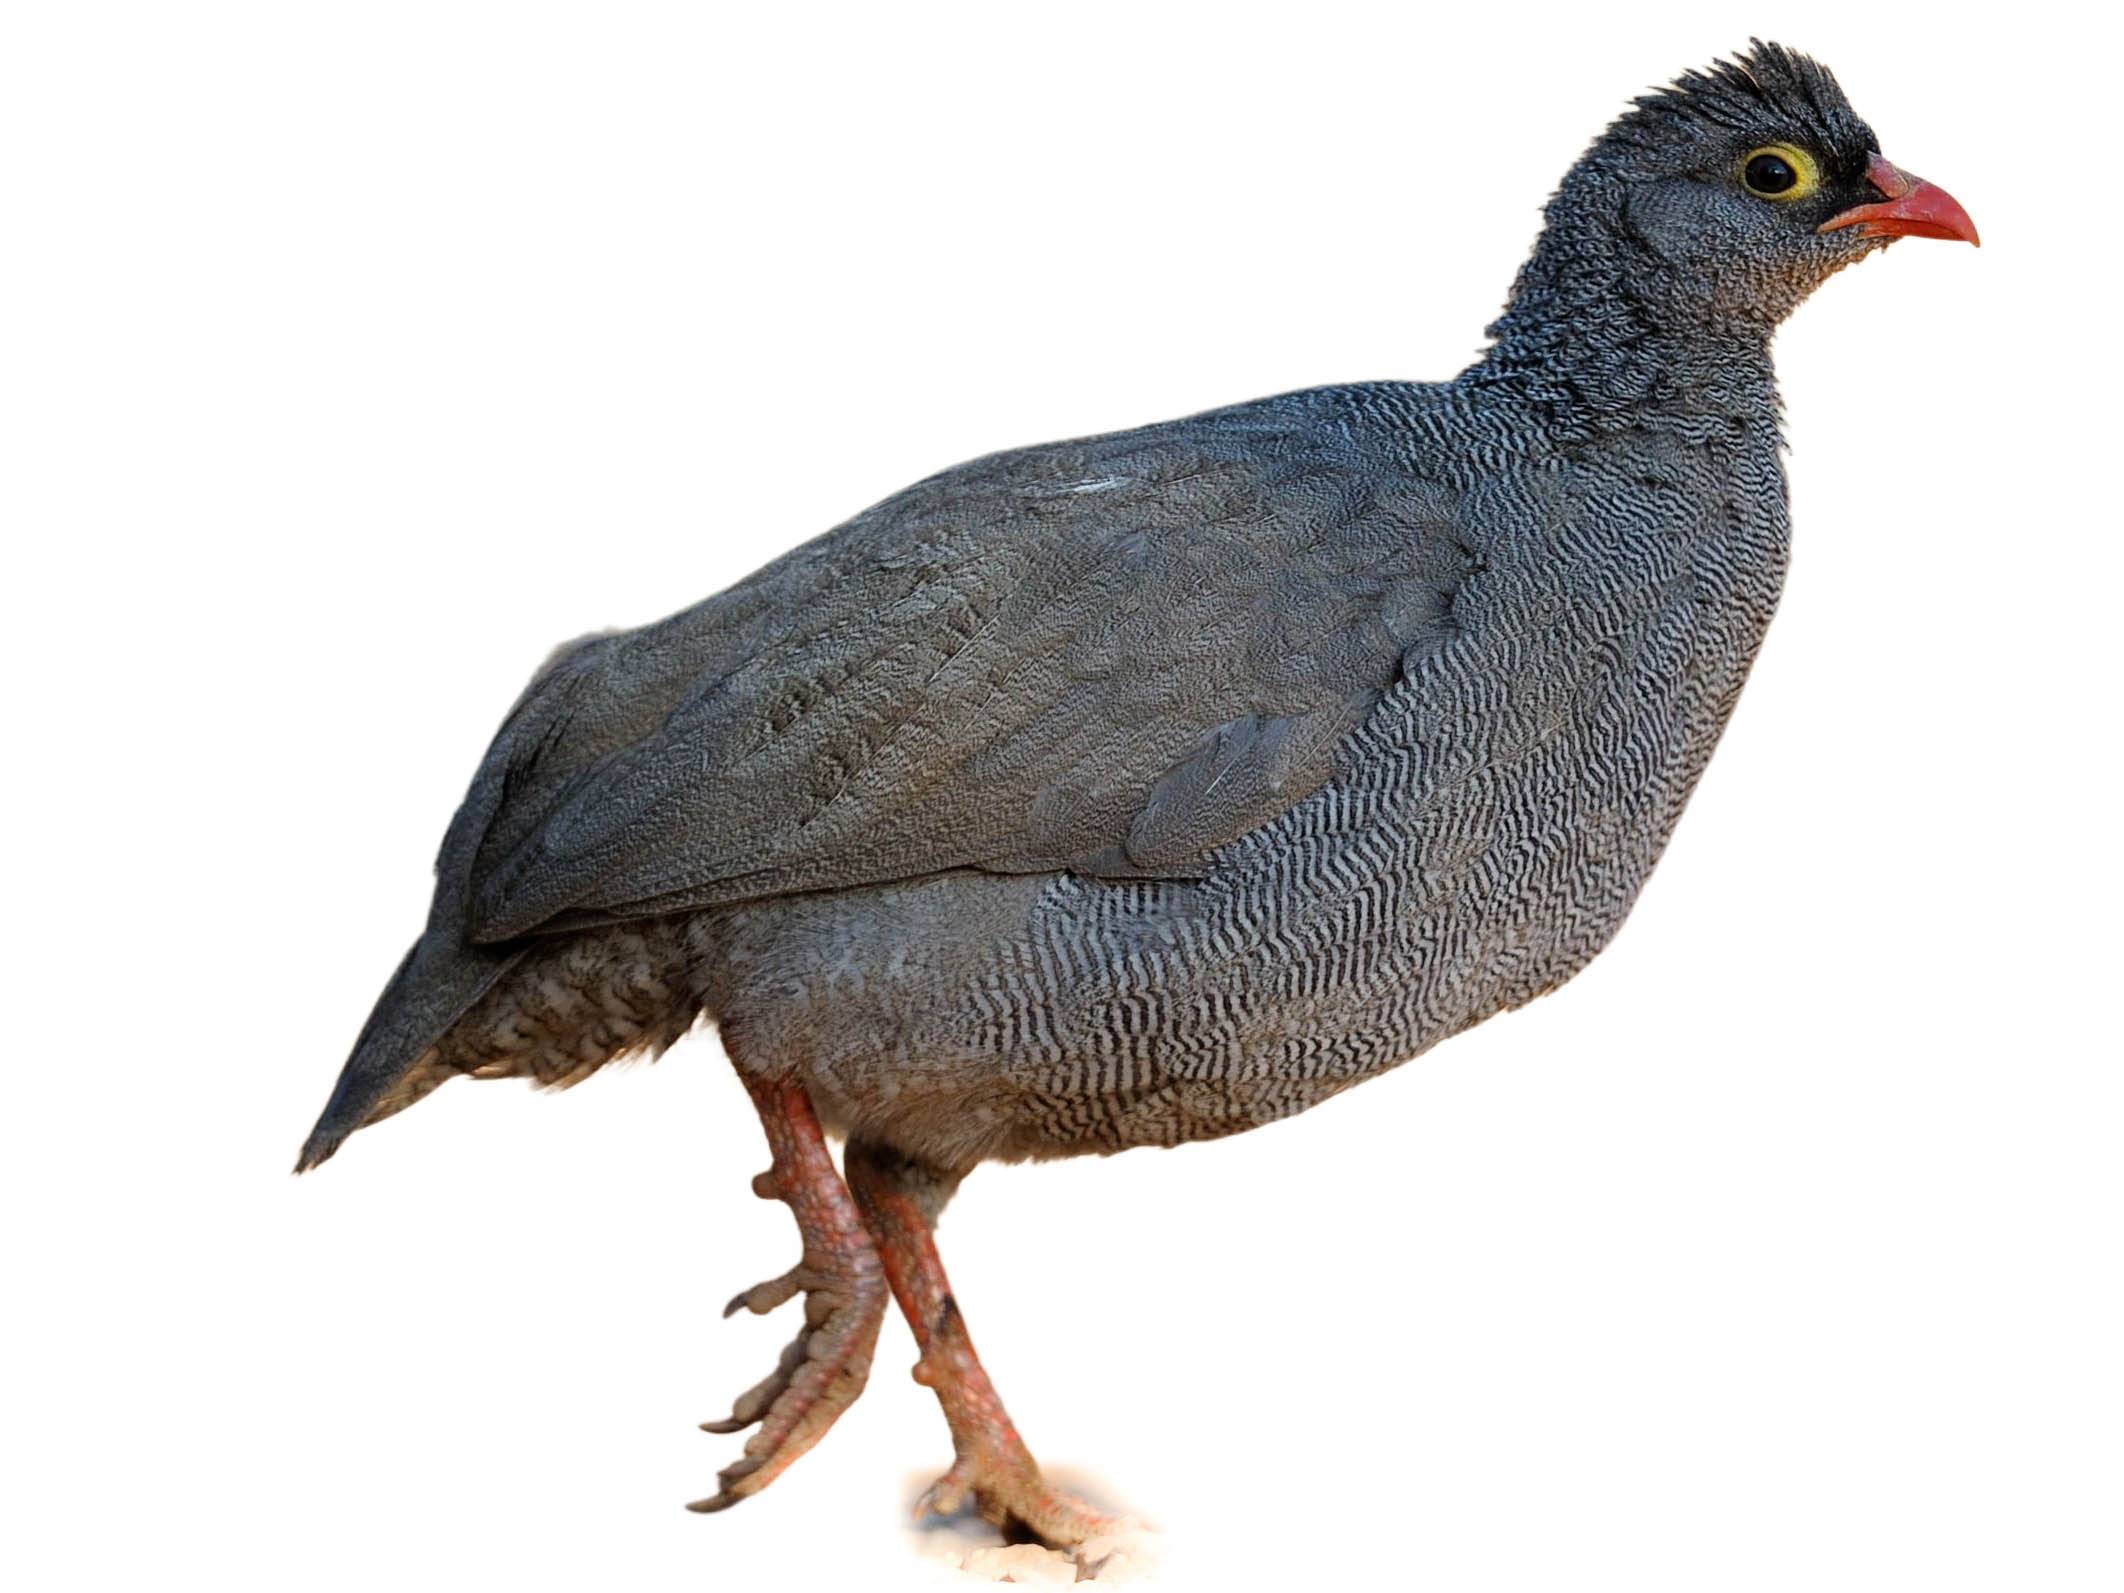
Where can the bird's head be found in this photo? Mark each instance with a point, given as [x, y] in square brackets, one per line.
[1729, 196]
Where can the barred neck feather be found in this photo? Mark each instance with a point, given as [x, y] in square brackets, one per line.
[1595, 332]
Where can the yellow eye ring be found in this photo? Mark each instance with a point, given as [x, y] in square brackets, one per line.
[1779, 172]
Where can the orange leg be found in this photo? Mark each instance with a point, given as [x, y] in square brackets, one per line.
[900, 1201]
[826, 1365]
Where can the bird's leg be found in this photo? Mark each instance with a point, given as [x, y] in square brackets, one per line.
[900, 1200]
[825, 1366]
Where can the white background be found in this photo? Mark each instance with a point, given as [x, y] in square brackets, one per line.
[355, 355]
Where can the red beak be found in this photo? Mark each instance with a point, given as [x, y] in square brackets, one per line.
[1910, 208]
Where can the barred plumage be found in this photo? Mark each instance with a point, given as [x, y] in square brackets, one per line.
[1146, 788]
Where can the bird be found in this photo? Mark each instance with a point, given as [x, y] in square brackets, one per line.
[1146, 788]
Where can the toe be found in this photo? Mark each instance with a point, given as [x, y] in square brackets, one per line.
[944, 1497]
[757, 1400]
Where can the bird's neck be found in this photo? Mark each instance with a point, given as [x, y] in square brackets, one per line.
[1592, 339]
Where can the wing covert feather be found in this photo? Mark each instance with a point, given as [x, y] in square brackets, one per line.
[1110, 656]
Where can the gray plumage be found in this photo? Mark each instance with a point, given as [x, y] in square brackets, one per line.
[1149, 787]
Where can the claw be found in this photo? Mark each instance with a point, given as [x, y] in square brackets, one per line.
[727, 1495]
[764, 1297]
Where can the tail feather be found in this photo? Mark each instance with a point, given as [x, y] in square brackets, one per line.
[438, 981]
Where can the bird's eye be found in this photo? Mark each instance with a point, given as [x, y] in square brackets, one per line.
[1779, 171]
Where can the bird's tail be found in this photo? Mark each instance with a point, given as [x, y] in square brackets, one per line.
[438, 981]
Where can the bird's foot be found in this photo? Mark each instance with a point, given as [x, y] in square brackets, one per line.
[825, 1366]
[819, 1375]
[900, 1199]
[993, 1467]
[1008, 1492]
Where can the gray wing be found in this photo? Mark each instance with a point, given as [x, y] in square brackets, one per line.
[1110, 656]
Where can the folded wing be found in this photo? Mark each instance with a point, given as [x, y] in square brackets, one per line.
[1111, 656]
